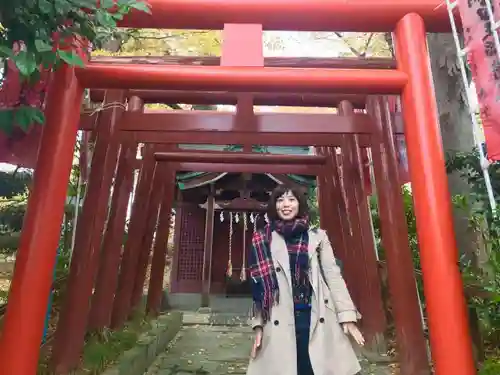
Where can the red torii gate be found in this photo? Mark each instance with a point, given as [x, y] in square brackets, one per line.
[451, 347]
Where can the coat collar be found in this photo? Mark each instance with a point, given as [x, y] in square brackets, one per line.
[281, 258]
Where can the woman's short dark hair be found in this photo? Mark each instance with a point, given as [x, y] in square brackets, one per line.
[281, 190]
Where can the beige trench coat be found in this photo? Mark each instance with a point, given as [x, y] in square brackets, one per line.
[330, 349]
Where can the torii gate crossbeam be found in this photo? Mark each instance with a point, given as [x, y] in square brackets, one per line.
[410, 20]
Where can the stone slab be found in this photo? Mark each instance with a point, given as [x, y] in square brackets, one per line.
[150, 344]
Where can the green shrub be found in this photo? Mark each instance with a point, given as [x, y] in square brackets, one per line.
[9, 242]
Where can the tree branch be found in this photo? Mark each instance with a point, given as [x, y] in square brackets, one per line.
[368, 42]
[353, 50]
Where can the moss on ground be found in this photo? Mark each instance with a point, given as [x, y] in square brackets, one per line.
[102, 349]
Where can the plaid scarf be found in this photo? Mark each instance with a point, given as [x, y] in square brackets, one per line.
[265, 288]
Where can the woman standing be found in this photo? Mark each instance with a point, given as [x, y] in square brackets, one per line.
[302, 310]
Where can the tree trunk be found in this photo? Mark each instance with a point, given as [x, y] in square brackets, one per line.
[457, 135]
[456, 126]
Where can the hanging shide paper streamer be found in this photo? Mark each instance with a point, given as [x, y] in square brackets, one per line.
[243, 275]
[229, 271]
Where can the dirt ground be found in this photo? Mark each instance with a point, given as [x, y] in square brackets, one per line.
[6, 269]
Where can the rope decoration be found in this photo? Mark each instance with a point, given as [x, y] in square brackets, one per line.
[243, 275]
[229, 272]
[105, 106]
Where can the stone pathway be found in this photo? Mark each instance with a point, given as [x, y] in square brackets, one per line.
[218, 350]
[206, 349]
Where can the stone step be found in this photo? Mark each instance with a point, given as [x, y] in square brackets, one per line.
[206, 317]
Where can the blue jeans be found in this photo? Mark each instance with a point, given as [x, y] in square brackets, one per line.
[302, 329]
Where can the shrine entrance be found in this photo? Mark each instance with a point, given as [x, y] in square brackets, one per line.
[105, 287]
[240, 204]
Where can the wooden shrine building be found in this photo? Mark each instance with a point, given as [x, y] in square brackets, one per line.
[240, 202]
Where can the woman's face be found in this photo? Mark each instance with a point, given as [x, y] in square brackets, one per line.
[287, 206]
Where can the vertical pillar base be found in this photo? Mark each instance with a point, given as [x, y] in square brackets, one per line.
[24, 321]
[449, 334]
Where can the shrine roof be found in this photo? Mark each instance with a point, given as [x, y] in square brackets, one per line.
[184, 177]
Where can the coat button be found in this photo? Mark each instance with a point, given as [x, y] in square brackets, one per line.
[276, 322]
[321, 320]
[326, 301]
[278, 269]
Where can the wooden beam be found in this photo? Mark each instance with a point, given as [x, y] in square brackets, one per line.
[208, 249]
[230, 98]
[294, 15]
[242, 204]
[241, 79]
[238, 158]
[232, 138]
[284, 62]
[309, 170]
[159, 121]
[273, 129]
[215, 121]
[243, 162]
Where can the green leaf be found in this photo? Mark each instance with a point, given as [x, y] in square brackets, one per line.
[140, 6]
[25, 62]
[6, 52]
[38, 116]
[33, 78]
[6, 121]
[48, 59]
[105, 19]
[88, 32]
[23, 117]
[45, 7]
[63, 7]
[117, 16]
[87, 4]
[70, 58]
[107, 4]
[42, 46]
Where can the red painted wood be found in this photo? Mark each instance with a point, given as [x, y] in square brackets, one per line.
[112, 247]
[330, 215]
[412, 347]
[325, 199]
[242, 45]
[72, 324]
[158, 262]
[297, 15]
[208, 249]
[276, 123]
[233, 137]
[231, 98]
[451, 344]
[132, 248]
[221, 249]
[339, 210]
[241, 79]
[155, 197]
[236, 158]
[310, 170]
[102, 302]
[189, 250]
[24, 321]
[284, 62]
[370, 300]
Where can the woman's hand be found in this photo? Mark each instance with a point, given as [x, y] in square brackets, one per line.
[257, 344]
[352, 329]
